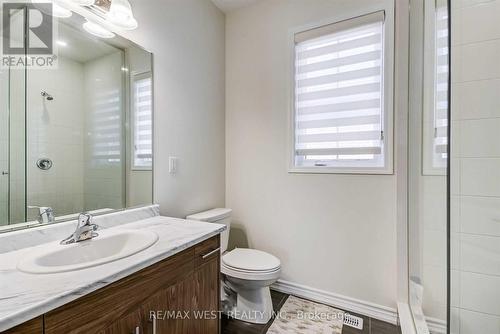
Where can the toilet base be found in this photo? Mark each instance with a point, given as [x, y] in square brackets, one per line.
[252, 305]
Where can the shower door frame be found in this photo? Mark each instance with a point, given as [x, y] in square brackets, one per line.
[403, 103]
[7, 152]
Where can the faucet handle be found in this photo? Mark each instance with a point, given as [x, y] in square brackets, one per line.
[46, 213]
[50, 215]
[84, 219]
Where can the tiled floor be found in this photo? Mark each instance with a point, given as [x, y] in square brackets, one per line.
[371, 326]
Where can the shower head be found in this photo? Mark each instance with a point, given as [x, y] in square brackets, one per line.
[47, 96]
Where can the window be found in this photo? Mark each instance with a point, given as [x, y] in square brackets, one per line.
[343, 97]
[435, 127]
[142, 122]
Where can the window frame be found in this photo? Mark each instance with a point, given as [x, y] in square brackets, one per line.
[137, 77]
[387, 94]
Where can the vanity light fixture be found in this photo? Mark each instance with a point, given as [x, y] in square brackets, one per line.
[120, 14]
[97, 30]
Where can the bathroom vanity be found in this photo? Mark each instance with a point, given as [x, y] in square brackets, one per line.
[186, 283]
[170, 287]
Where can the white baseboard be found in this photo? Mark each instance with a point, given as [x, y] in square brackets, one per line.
[436, 326]
[371, 310]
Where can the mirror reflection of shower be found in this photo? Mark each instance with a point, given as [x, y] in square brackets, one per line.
[47, 96]
[45, 112]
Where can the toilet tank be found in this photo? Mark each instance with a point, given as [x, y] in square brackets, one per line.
[218, 216]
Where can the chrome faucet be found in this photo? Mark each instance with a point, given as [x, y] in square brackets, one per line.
[85, 230]
[46, 214]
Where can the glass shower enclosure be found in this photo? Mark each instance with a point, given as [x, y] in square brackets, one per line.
[12, 147]
[4, 146]
[428, 165]
[454, 166]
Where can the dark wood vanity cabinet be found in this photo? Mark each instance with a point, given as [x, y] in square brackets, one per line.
[177, 295]
[206, 292]
[34, 326]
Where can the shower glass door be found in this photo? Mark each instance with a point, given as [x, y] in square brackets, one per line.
[428, 166]
[12, 147]
[4, 147]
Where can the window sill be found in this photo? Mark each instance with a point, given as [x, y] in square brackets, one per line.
[139, 169]
[340, 170]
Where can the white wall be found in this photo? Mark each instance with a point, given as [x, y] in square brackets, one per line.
[332, 232]
[187, 40]
[475, 169]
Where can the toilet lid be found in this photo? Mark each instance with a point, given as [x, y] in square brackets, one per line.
[251, 260]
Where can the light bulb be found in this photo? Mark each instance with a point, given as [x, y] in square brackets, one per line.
[96, 30]
[120, 14]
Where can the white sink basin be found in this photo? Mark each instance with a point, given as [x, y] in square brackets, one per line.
[109, 246]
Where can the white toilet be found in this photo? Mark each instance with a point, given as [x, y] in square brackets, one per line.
[248, 273]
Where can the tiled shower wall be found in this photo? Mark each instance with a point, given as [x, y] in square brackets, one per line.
[475, 169]
[56, 131]
[17, 147]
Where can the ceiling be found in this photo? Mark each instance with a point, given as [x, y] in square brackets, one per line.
[229, 5]
[81, 46]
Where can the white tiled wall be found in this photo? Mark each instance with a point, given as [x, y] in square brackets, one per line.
[56, 131]
[476, 166]
[17, 147]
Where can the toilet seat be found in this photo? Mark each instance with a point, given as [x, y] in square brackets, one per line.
[249, 275]
[250, 264]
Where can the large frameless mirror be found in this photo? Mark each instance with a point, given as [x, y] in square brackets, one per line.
[76, 136]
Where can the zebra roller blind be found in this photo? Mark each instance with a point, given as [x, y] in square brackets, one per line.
[441, 89]
[339, 94]
[435, 89]
[143, 122]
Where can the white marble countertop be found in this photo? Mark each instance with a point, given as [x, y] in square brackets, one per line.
[26, 296]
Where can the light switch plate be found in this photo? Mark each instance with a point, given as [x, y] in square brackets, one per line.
[172, 165]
